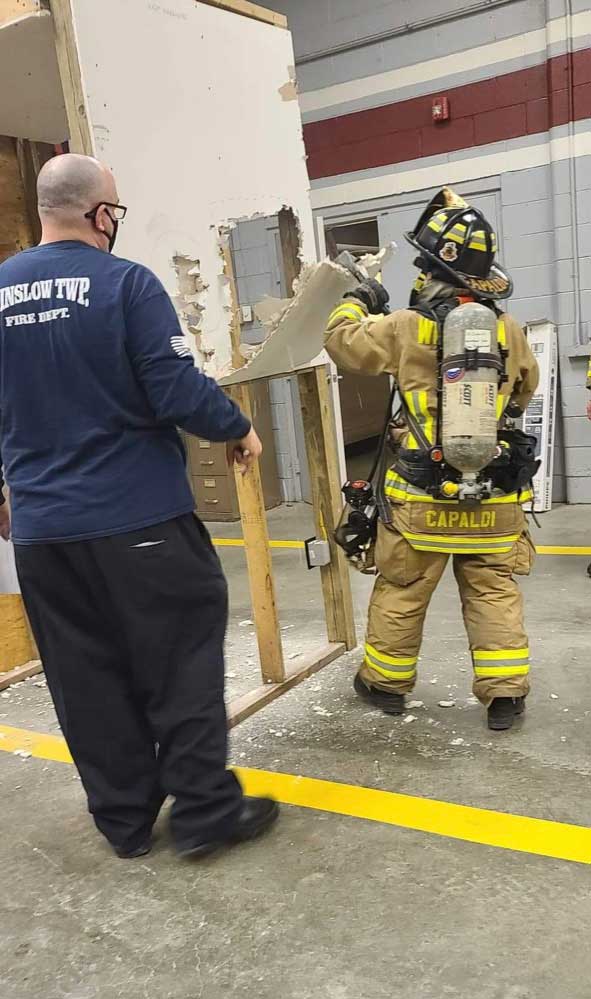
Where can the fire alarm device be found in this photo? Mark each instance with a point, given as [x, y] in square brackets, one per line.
[440, 109]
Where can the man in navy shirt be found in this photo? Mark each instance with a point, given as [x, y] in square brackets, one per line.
[125, 594]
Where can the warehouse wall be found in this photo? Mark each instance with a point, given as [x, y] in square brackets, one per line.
[517, 74]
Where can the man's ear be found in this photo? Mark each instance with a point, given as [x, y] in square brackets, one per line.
[100, 220]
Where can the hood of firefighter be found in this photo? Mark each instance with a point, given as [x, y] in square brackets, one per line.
[456, 240]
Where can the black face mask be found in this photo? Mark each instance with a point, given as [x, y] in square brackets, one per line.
[113, 236]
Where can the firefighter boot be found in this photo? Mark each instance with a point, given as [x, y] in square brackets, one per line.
[390, 703]
[503, 711]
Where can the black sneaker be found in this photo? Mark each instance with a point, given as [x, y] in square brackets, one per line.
[389, 703]
[139, 851]
[503, 711]
[256, 816]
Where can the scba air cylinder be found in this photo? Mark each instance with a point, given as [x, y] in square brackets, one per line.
[470, 368]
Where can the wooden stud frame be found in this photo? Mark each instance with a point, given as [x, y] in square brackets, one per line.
[248, 9]
[318, 422]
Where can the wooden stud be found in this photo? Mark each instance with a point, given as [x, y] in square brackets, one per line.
[322, 450]
[246, 705]
[289, 237]
[251, 502]
[10, 10]
[81, 139]
[252, 10]
[20, 673]
[320, 434]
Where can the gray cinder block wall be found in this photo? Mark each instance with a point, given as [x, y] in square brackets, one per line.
[518, 77]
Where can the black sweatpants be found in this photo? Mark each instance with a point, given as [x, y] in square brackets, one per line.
[130, 629]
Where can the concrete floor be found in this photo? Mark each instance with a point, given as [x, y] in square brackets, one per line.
[328, 907]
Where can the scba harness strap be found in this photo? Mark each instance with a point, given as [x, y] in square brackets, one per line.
[425, 468]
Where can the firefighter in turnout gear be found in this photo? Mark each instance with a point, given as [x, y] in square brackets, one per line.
[430, 511]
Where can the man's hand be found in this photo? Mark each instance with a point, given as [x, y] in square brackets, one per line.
[5, 522]
[589, 409]
[245, 451]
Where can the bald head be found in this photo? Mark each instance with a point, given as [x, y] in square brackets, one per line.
[73, 184]
[70, 186]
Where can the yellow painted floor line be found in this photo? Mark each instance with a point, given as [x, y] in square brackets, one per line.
[239, 543]
[561, 550]
[541, 549]
[440, 818]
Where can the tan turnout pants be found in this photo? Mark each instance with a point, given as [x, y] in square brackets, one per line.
[492, 607]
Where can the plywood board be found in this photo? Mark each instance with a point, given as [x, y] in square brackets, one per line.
[200, 130]
[31, 98]
[15, 641]
[15, 228]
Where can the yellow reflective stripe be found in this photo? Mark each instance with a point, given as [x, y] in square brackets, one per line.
[391, 674]
[473, 245]
[501, 333]
[512, 497]
[487, 655]
[454, 236]
[412, 443]
[418, 404]
[349, 311]
[387, 660]
[396, 493]
[484, 671]
[422, 546]
[425, 416]
[391, 667]
[394, 480]
[432, 224]
[463, 539]
[502, 401]
[427, 330]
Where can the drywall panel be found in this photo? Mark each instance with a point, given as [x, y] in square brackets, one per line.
[31, 98]
[194, 109]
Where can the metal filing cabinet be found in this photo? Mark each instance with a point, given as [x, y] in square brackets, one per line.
[213, 482]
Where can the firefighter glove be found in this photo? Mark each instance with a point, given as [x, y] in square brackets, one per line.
[372, 294]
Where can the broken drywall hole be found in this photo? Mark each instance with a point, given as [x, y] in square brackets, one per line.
[295, 327]
[189, 302]
[289, 90]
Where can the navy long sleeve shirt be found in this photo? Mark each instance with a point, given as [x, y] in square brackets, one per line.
[95, 378]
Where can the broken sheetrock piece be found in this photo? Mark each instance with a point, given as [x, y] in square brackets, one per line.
[554, 697]
[295, 329]
[434, 680]
[416, 704]
[409, 718]
[458, 742]
[447, 704]
[243, 624]
[23, 753]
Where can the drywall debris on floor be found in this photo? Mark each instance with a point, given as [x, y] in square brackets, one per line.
[295, 327]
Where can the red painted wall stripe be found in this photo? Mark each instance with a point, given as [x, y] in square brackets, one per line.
[505, 107]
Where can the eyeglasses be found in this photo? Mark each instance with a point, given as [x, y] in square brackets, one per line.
[119, 211]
